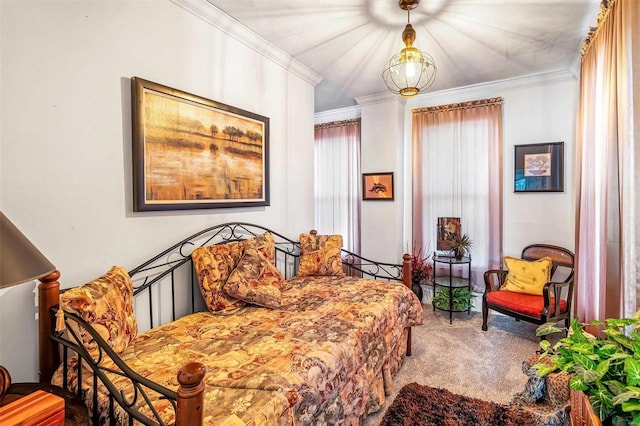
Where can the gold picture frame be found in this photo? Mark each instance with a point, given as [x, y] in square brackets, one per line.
[377, 186]
[190, 152]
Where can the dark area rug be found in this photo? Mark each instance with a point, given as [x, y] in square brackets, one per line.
[426, 406]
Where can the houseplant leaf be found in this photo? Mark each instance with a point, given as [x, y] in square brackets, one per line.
[599, 407]
[606, 351]
[632, 370]
[626, 396]
[547, 328]
[631, 405]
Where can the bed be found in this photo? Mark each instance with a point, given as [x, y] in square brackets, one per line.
[306, 338]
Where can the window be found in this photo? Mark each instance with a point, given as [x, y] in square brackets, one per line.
[457, 172]
[337, 181]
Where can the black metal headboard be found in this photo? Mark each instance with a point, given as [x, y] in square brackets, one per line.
[159, 277]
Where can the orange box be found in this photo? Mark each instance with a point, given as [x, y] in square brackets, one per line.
[36, 409]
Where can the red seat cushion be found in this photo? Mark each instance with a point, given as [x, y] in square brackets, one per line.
[527, 304]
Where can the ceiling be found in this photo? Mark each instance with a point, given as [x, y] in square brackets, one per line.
[349, 42]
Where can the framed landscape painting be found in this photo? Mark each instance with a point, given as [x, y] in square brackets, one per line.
[377, 186]
[539, 167]
[190, 152]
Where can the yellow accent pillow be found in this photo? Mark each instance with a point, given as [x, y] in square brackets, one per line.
[527, 276]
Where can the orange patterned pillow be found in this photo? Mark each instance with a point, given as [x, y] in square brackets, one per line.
[320, 255]
[107, 304]
[215, 263]
[265, 244]
[255, 280]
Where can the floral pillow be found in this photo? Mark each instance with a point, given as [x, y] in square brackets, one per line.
[215, 263]
[255, 280]
[525, 276]
[265, 244]
[107, 304]
[320, 255]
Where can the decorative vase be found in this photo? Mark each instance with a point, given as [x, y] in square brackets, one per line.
[458, 254]
[417, 288]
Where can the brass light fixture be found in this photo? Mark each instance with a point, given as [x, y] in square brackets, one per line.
[411, 70]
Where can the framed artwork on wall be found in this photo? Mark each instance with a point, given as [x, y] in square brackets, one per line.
[447, 226]
[377, 186]
[190, 152]
[539, 167]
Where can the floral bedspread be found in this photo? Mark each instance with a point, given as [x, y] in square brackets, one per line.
[326, 357]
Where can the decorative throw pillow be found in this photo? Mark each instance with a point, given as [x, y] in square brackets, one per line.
[265, 244]
[107, 304]
[255, 280]
[525, 276]
[214, 264]
[320, 255]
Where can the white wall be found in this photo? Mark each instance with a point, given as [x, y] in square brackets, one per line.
[65, 141]
[536, 109]
[382, 136]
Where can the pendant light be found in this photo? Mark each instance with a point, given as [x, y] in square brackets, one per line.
[410, 71]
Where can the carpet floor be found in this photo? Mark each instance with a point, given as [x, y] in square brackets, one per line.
[465, 360]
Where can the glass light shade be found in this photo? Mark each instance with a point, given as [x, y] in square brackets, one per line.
[409, 72]
[20, 260]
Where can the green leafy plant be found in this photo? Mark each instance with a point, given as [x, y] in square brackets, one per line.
[461, 299]
[460, 244]
[606, 369]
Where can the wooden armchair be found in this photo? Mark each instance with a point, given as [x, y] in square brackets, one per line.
[552, 306]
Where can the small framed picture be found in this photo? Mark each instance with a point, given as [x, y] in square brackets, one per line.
[377, 186]
[447, 226]
[539, 167]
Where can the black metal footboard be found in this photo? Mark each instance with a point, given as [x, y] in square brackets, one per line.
[95, 368]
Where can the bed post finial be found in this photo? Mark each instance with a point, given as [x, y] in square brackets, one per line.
[48, 297]
[190, 410]
[313, 232]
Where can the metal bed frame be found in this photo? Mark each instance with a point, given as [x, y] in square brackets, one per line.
[157, 279]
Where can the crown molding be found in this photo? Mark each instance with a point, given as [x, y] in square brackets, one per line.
[338, 114]
[234, 28]
[378, 98]
[475, 91]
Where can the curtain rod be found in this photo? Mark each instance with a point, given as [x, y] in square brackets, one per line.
[341, 123]
[460, 105]
[605, 8]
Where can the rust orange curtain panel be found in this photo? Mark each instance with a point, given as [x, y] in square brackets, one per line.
[608, 157]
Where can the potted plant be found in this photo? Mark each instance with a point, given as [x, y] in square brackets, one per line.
[461, 299]
[421, 269]
[459, 244]
[606, 368]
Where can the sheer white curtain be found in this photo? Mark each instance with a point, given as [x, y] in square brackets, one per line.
[337, 181]
[457, 172]
[607, 155]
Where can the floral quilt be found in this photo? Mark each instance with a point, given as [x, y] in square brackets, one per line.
[326, 357]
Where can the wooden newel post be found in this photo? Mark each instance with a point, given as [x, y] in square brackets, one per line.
[406, 279]
[48, 296]
[190, 410]
[406, 270]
